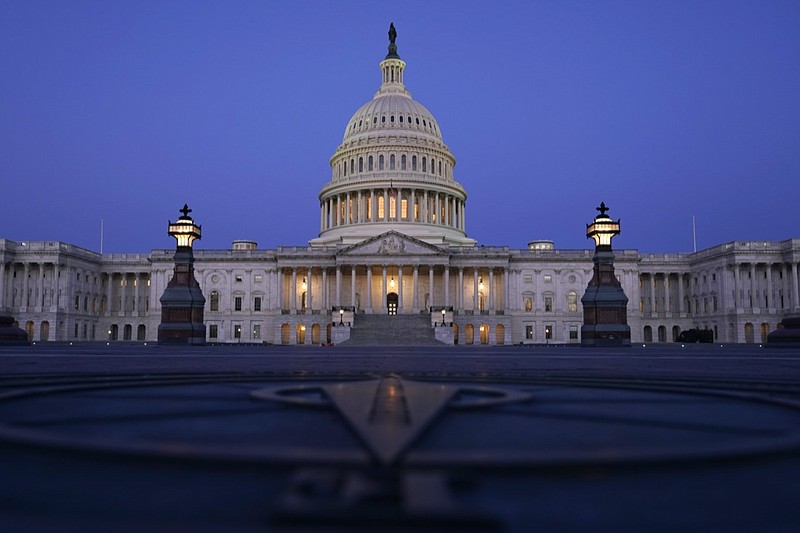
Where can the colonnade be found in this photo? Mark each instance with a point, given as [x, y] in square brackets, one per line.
[368, 287]
[126, 292]
[392, 205]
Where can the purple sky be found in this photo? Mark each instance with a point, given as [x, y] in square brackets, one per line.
[126, 110]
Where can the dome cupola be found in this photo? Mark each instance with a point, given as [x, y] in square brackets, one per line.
[392, 171]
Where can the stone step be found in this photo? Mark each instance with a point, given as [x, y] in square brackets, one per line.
[392, 330]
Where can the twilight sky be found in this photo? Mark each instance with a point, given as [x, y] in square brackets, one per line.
[123, 111]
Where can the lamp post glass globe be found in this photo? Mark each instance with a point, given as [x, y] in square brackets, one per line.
[341, 317]
[443, 314]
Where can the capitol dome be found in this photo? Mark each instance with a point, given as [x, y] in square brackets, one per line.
[392, 171]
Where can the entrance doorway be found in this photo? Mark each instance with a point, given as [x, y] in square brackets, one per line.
[391, 303]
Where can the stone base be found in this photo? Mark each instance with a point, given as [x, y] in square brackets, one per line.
[340, 334]
[788, 336]
[444, 334]
[606, 335]
[182, 334]
[11, 335]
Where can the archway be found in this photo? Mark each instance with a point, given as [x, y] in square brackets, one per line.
[315, 333]
[127, 333]
[328, 331]
[29, 330]
[676, 331]
[113, 332]
[764, 331]
[141, 332]
[455, 333]
[484, 329]
[301, 334]
[469, 334]
[647, 334]
[500, 334]
[662, 334]
[391, 303]
[286, 333]
[748, 333]
[44, 331]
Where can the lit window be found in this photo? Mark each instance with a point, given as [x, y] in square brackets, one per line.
[256, 331]
[548, 278]
[214, 301]
[573, 332]
[257, 303]
[572, 301]
[392, 207]
[404, 208]
[380, 208]
[258, 278]
[237, 303]
[238, 278]
[528, 304]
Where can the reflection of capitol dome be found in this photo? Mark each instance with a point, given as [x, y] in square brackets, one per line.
[392, 172]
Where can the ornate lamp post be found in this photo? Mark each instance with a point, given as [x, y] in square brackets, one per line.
[182, 302]
[605, 315]
[443, 315]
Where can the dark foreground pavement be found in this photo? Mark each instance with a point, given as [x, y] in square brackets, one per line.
[242, 438]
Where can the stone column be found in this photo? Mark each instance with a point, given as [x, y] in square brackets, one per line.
[338, 301]
[40, 287]
[279, 288]
[347, 213]
[681, 303]
[383, 289]
[769, 304]
[136, 293]
[491, 289]
[430, 286]
[294, 290]
[25, 272]
[438, 210]
[2, 286]
[475, 290]
[505, 289]
[324, 289]
[385, 207]
[795, 298]
[309, 301]
[447, 286]
[400, 289]
[667, 299]
[461, 289]
[369, 289]
[753, 287]
[415, 303]
[359, 209]
[653, 305]
[353, 285]
[425, 207]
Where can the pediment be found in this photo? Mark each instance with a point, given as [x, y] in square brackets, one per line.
[391, 243]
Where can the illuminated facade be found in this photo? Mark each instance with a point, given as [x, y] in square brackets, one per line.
[393, 241]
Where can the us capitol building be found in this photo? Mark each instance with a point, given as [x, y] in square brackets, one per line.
[393, 258]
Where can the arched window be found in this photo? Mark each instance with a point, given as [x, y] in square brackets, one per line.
[647, 334]
[391, 162]
[402, 162]
[352, 166]
[414, 162]
[369, 163]
[214, 301]
[380, 162]
[141, 332]
[572, 301]
[440, 168]
[424, 165]
[391, 119]
[433, 166]
[401, 119]
[361, 164]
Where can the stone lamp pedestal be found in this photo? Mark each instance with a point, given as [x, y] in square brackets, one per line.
[182, 303]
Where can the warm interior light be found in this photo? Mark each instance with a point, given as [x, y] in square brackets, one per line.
[391, 283]
[480, 283]
[304, 286]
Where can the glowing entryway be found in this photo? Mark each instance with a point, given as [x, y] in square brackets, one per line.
[391, 303]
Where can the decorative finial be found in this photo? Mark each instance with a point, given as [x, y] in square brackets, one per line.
[602, 209]
[392, 46]
[185, 211]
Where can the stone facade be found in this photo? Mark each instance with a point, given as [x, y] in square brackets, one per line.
[393, 240]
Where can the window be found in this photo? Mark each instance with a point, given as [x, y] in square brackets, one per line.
[77, 304]
[381, 208]
[413, 162]
[237, 331]
[572, 301]
[404, 208]
[258, 278]
[361, 164]
[548, 278]
[370, 164]
[424, 165]
[573, 332]
[380, 162]
[237, 303]
[238, 278]
[548, 332]
[256, 331]
[257, 303]
[548, 304]
[528, 304]
[529, 332]
[392, 207]
[527, 279]
[212, 331]
[391, 162]
[403, 161]
[214, 301]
